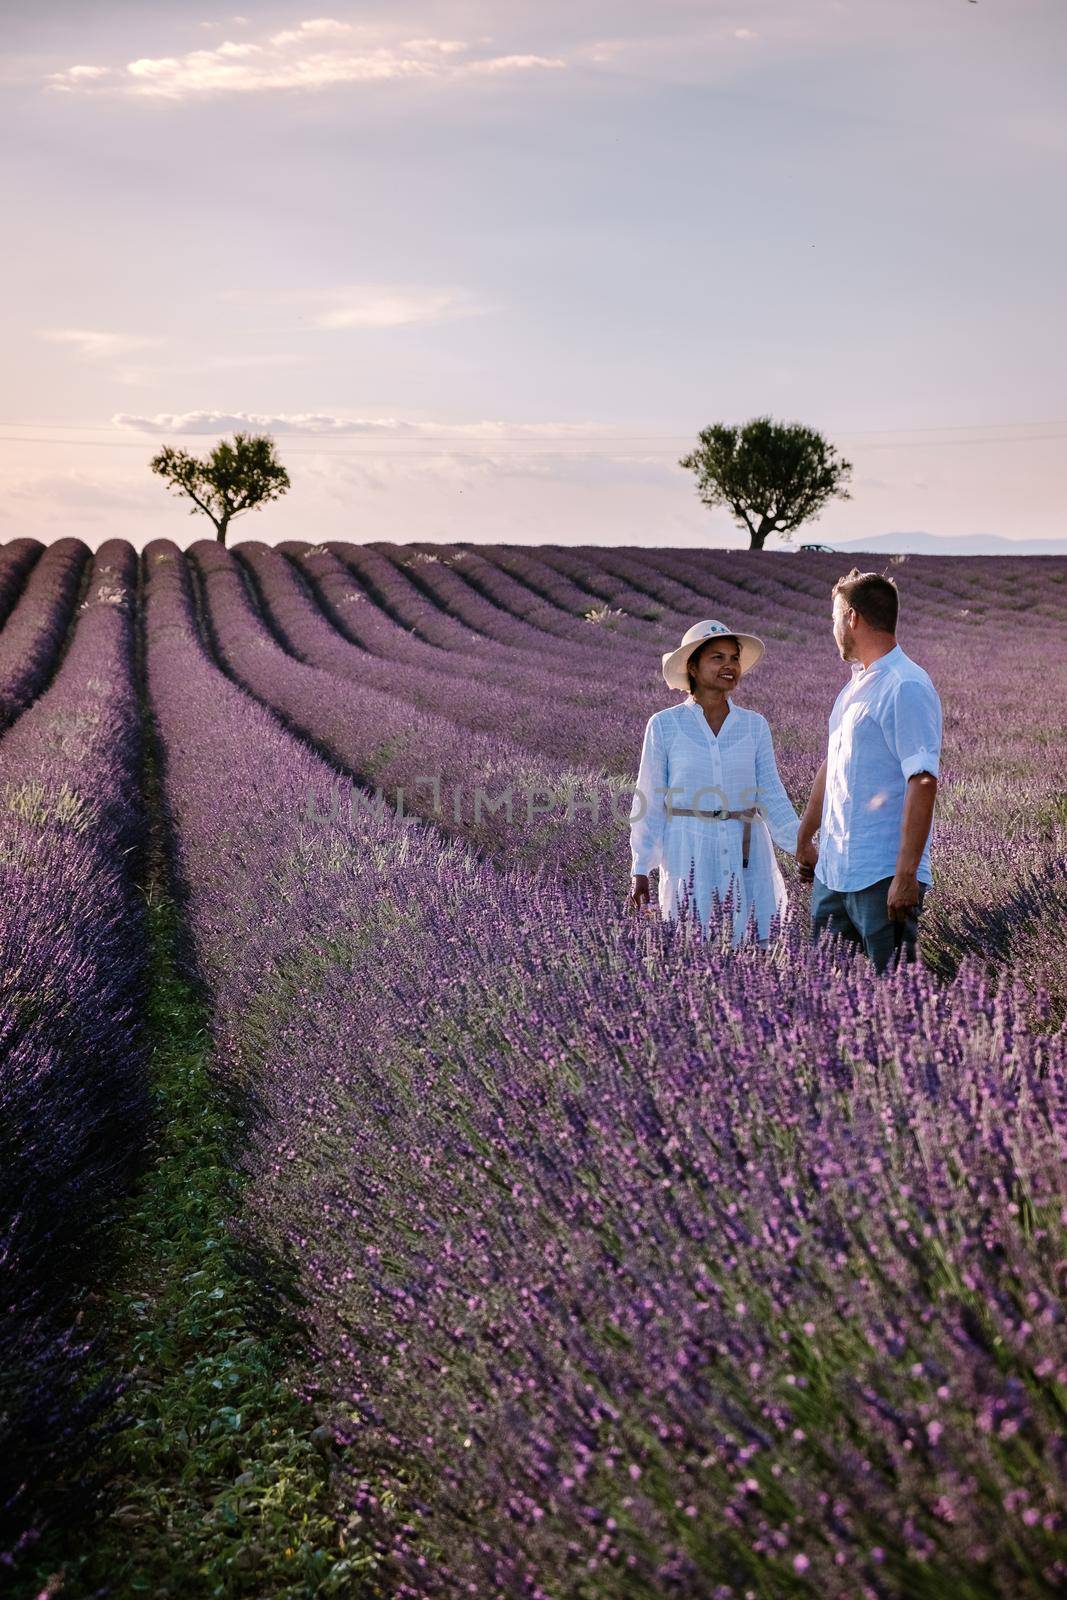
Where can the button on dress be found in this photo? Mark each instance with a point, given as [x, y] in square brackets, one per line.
[681, 759]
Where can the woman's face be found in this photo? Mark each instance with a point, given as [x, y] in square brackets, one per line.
[716, 665]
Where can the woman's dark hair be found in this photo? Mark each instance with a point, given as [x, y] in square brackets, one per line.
[716, 638]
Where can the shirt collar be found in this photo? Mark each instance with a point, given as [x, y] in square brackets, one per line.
[889, 657]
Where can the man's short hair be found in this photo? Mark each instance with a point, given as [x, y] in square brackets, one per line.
[874, 597]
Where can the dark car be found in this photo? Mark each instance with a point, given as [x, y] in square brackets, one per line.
[817, 550]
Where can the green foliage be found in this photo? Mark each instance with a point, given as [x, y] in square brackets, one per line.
[774, 476]
[47, 805]
[220, 1482]
[234, 478]
[218, 1486]
[604, 615]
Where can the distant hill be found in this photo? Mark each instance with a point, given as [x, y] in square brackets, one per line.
[934, 544]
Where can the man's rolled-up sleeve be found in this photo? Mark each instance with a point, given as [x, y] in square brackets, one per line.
[913, 728]
[648, 813]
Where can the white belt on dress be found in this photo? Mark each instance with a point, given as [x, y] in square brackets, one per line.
[722, 816]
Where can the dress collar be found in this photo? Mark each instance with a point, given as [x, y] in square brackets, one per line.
[691, 700]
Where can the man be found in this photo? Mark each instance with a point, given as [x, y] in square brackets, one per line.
[872, 801]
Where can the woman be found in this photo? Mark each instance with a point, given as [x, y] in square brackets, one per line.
[709, 799]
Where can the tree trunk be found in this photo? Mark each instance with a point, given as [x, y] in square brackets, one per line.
[220, 529]
[758, 536]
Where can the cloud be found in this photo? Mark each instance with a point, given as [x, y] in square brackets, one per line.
[595, 469]
[206, 363]
[315, 28]
[210, 423]
[95, 345]
[325, 425]
[446, 47]
[62, 497]
[659, 49]
[84, 74]
[365, 305]
[459, 456]
[499, 64]
[414, 475]
[318, 53]
[390, 308]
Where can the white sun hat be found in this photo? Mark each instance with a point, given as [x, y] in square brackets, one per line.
[674, 661]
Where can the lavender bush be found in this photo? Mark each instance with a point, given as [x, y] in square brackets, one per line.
[505, 586]
[634, 1265]
[1015, 816]
[16, 561]
[630, 1265]
[33, 634]
[619, 1301]
[73, 1106]
[482, 603]
[416, 760]
[403, 591]
[555, 584]
[555, 729]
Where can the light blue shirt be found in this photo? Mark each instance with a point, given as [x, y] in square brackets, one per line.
[884, 728]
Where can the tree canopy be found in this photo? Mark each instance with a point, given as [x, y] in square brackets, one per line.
[774, 476]
[234, 478]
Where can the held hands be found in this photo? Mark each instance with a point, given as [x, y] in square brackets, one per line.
[807, 858]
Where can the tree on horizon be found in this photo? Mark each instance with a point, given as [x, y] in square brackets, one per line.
[234, 478]
[774, 476]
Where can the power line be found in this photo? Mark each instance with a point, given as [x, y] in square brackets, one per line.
[522, 438]
[404, 451]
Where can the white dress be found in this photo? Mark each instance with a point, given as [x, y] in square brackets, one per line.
[731, 772]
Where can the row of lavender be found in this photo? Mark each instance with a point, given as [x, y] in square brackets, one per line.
[38, 593]
[308, 616]
[16, 561]
[39, 616]
[73, 1103]
[421, 760]
[633, 1266]
[629, 684]
[450, 728]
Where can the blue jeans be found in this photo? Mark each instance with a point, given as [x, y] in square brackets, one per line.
[862, 916]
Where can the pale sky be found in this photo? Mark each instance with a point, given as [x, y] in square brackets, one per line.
[485, 269]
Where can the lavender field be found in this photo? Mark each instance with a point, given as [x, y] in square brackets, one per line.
[481, 1238]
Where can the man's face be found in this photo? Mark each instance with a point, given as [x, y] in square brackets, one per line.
[844, 635]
